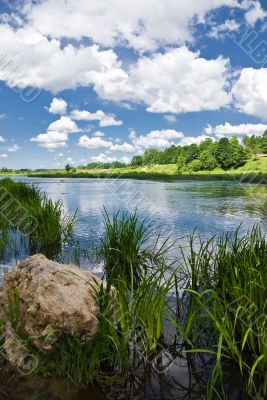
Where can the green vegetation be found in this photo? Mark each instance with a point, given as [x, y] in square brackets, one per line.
[38, 223]
[227, 303]
[128, 250]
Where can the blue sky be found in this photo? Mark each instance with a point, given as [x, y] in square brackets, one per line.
[89, 81]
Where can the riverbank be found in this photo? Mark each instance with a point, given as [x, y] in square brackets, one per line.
[254, 171]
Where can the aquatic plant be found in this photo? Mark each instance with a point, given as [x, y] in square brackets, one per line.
[128, 248]
[226, 314]
[29, 218]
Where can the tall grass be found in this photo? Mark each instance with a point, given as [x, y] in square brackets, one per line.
[128, 248]
[226, 313]
[27, 211]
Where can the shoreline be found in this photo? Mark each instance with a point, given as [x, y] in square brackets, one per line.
[258, 178]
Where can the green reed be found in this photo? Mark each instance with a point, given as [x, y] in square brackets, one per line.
[227, 306]
[128, 248]
[42, 224]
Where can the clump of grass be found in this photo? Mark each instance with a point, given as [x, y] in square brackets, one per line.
[42, 223]
[128, 249]
[227, 303]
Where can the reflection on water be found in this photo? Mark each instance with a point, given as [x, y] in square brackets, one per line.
[175, 208]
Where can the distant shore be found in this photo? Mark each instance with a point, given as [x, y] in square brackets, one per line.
[254, 171]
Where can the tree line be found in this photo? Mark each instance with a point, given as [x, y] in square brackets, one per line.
[208, 155]
[225, 153]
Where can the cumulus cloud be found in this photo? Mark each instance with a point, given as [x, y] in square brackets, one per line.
[104, 119]
[58, 106]
[98, 134]
[139, 25]
[2, 139]
[250, 92]
[93, 142]
[255, 11]
[176, 81]
[103, 158]
[32, 59]
[187, 140]
[13, 148]
[158, 139]
[218, 31]
[229, 130]
[57, 134]
[4, 155]
[97, 143]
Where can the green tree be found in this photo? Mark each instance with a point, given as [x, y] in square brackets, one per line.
[229, 153]
[252, 145]
[137, 161]
[191, 153]
[194, 166]
[151, 156]
[169, 155]
[180, 164]
[67, 167]
[263, 144]
[207, 160]
[206, 144]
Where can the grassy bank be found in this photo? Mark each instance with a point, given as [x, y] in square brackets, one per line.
[253, 170]
[31, 221]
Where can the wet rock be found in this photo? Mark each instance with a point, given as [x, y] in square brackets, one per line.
[53, 299]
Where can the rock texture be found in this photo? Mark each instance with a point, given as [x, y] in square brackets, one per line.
[53, 299]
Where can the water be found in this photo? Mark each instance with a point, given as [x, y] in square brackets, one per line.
[174, 208]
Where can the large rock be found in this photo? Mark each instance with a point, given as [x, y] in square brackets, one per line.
[53, 299]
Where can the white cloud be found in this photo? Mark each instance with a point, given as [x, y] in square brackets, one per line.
[57, 134]
[103, 158]
[51, 140]
[187, 140]
[165, 134]
[176, 81]
[98, 134]
[140, 25]
[218, 31]
[58, 106]
[250, 92]
[64, 124]
[13, 148]
[170, 118]
[69, 160]
[3, 116]
[125, 147]
[104, 119]
[93, 143]
[255, 12]
[97, 143]
[31, 59]
[4, 155]
[158, 139]
[2, 139]
[242, 129]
